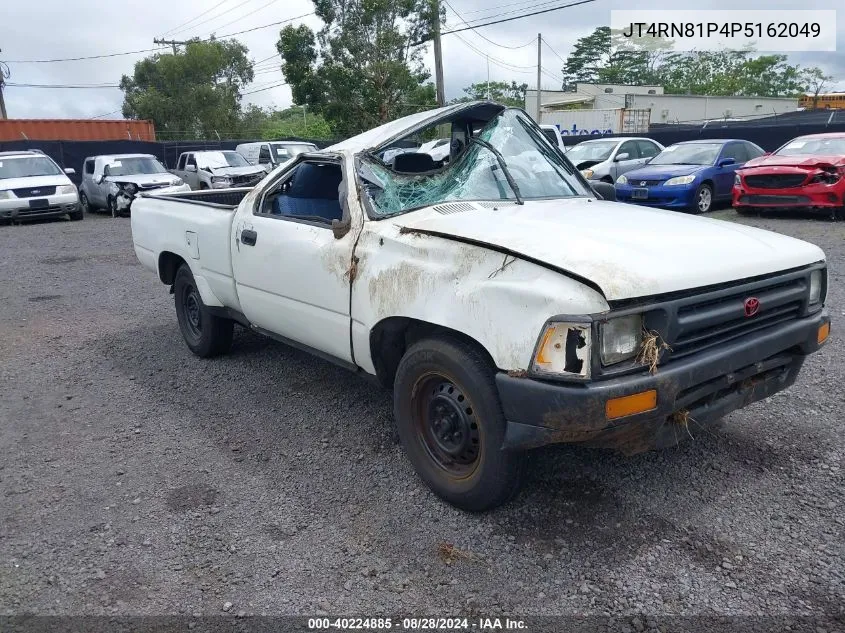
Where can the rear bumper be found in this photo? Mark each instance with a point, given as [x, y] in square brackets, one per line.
[707, 385]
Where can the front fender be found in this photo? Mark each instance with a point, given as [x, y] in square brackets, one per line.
[499, 300]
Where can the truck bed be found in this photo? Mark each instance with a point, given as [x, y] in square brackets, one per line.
[196, 226]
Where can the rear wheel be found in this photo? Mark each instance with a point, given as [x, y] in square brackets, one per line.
[206, 335]
[451, 424]
[703, 200]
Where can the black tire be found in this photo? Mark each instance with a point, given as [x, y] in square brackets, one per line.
[608, 180]
[451, 425]
[84, 203]
[703, 200]
[77, 215]
[203, 186]
[205, 334]
[111, 205]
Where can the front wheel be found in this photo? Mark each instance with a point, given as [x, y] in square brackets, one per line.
[207, 335]
[451, 424]
[111, 205]
[84, 203]
[703, 200]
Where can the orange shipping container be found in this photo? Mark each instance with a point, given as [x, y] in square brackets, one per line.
[76, 130]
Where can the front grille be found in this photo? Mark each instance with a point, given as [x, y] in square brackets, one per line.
[154, 185]
[246, 181]
[775, 181]
[34, 192]
[644, 183]
[701, 324]
[773, 200]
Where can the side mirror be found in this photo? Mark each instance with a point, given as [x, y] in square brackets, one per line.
[622, 156]
[70, 171]
[727, 161]
[191, 168]
[604, 190]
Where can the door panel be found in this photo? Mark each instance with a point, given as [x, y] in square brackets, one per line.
[294, 278]
[632, 162]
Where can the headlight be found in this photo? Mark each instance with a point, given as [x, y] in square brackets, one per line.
[587, 173]
[621, 338]
[622, 180]
[5, 195]
[177, 181]
[737, 181]
[130, 188]
[679, 180]
[64, 190]
[564, 350]
[815, 286]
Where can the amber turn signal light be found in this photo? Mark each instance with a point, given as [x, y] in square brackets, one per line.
[824, 332]
[629, 405]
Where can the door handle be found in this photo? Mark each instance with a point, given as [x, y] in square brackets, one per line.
[248, 237]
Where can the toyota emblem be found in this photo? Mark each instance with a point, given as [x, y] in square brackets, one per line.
[752, 306]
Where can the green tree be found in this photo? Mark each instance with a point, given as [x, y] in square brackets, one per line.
[194, 93]
[814, 80]
[364, 67]
[597, 58]
[512, 94]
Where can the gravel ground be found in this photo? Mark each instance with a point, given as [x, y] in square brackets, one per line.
[137, 479]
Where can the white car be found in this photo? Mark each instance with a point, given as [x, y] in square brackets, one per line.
[111, 181]
[552, 132]
[606, 159]
[504, 305]
[33, 186]
[438, 149]
[271, 154]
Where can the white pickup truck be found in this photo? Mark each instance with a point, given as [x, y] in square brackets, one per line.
[505, 304]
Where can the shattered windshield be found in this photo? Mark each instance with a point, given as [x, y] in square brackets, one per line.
[526, 168]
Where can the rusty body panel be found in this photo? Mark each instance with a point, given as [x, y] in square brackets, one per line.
[76, 130]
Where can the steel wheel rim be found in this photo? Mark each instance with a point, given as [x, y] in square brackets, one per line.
[447, 425]
[83, 200]
[704, 199]
[191, 303]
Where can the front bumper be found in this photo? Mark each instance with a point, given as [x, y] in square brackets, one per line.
[707, 386]
[55, 206]
[124, 201]
[815, 196]
[674, 197]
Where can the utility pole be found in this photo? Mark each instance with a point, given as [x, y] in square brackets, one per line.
[173, 43]
[488, 77]
[4, 74]
[438, 54]
[539, 69]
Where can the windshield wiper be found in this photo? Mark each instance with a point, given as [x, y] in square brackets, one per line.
[502, 164]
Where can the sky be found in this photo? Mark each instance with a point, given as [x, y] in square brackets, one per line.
[52, 29]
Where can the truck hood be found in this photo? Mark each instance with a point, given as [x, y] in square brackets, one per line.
[237, 171]
[164, 179]
[627, 251]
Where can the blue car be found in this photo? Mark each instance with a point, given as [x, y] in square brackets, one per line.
[688, 176]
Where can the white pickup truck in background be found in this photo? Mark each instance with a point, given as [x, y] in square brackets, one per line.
[217, 169]
[504, 303]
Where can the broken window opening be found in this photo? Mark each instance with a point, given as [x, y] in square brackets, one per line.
[537, 172]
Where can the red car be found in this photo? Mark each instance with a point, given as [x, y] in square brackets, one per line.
[808, 173]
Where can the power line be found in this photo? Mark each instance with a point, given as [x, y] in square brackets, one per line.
[509, 5]
[284, 83]
[554, 51]
[516, 17]
[102, 116]
[497, 61]
[148, 50]
[203, 14]
[17, 85]
[264, 6]
[211, 19]
[484, 37]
